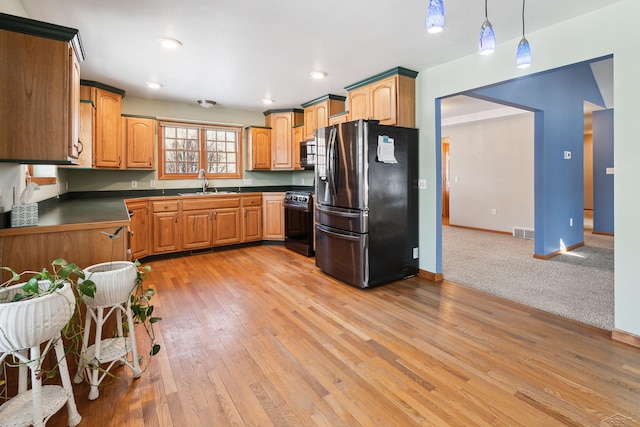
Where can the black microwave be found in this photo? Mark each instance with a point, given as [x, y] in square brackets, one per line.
[308, 154]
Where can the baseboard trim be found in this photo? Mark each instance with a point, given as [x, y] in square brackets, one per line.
[602, 233]
[556, 253]
[625, 337]
[508, 233]
[434, 277]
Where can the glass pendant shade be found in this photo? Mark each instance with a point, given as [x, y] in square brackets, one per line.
[435, 16]
[487, 42]
[523, 57]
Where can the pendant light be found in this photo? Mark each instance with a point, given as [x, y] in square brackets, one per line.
[435, 16]
[487, 42]
[523, 56]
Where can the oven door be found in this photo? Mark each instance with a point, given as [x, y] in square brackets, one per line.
[298, 229]
[343, 255]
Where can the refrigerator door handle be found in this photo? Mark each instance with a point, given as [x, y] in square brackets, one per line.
[338, 212]
[331, 162]
[338, 235]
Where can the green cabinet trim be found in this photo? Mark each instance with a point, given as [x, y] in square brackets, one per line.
[324, 98]
[392, 72]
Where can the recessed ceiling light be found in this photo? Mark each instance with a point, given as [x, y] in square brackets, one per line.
[154, 85]
[206, 103]
[267, 101]
[318, 74]
[170, 43]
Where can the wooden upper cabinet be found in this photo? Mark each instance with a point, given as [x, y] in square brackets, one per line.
[359, 104]
[317, 112]
[85, 136]
[139, 142]
[383, 101]
[39, 81]
[388, 97]
[281, 123]
[258, 148]
[298, 137]
[108, 146]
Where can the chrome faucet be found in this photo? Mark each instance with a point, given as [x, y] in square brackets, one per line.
[204, 180]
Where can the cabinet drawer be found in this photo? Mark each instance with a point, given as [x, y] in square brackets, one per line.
[211, 202]
[165, 206]
[251, 201]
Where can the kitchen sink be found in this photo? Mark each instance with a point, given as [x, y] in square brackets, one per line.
[207, 193]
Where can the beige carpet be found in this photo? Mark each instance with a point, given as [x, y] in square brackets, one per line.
[577, 285]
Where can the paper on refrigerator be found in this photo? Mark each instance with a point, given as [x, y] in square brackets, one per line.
[386, 149]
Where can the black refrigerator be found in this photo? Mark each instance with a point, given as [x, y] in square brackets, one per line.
[366, 197]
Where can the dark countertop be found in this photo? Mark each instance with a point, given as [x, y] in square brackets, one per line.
[109, 206]
[78, 211]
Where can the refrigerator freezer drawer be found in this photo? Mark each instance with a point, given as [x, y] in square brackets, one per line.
[343, 255]
[353, 220]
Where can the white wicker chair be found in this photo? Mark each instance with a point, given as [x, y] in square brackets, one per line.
[114, 283]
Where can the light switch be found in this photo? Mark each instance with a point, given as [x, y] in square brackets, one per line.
[609, 171]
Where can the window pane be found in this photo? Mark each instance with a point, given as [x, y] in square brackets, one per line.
[182, 149]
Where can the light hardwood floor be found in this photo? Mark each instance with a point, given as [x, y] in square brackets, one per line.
[259, 337]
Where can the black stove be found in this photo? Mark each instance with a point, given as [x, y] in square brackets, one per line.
[298, 222]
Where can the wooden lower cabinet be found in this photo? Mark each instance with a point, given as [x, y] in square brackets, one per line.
[273, 216]
[139, 229]
[197, 229]
[226, 228]
[165, 226]
[191, 223]
[252, 224]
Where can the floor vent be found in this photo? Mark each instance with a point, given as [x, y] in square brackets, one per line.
[524, 233]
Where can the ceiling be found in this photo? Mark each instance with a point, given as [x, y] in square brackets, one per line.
[237, 52]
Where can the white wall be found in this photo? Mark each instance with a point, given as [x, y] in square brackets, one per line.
[566, 43]
[491, 167]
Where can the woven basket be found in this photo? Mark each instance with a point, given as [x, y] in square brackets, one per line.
[114, 283]
[27, 323]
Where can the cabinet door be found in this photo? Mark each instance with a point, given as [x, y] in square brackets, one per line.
[252, 221]
[383, 101]
[309, 122]
[359, 103]
[74, 108]
[108, 144]
[139, 229]
[259, 146]
[197, 229]
[281, 141]
[226, 228]
[322, 116]
[298, 133]
[273, 216]
[140, 136]
[36, 111]
[85, 136]
[166, 232]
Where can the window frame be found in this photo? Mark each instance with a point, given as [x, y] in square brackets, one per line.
[202, 152]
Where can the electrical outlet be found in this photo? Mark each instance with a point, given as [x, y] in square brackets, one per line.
[152, 183]
[567, 155]
[248, 181]
[422, 184]
[494, 211]
[134, 184]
